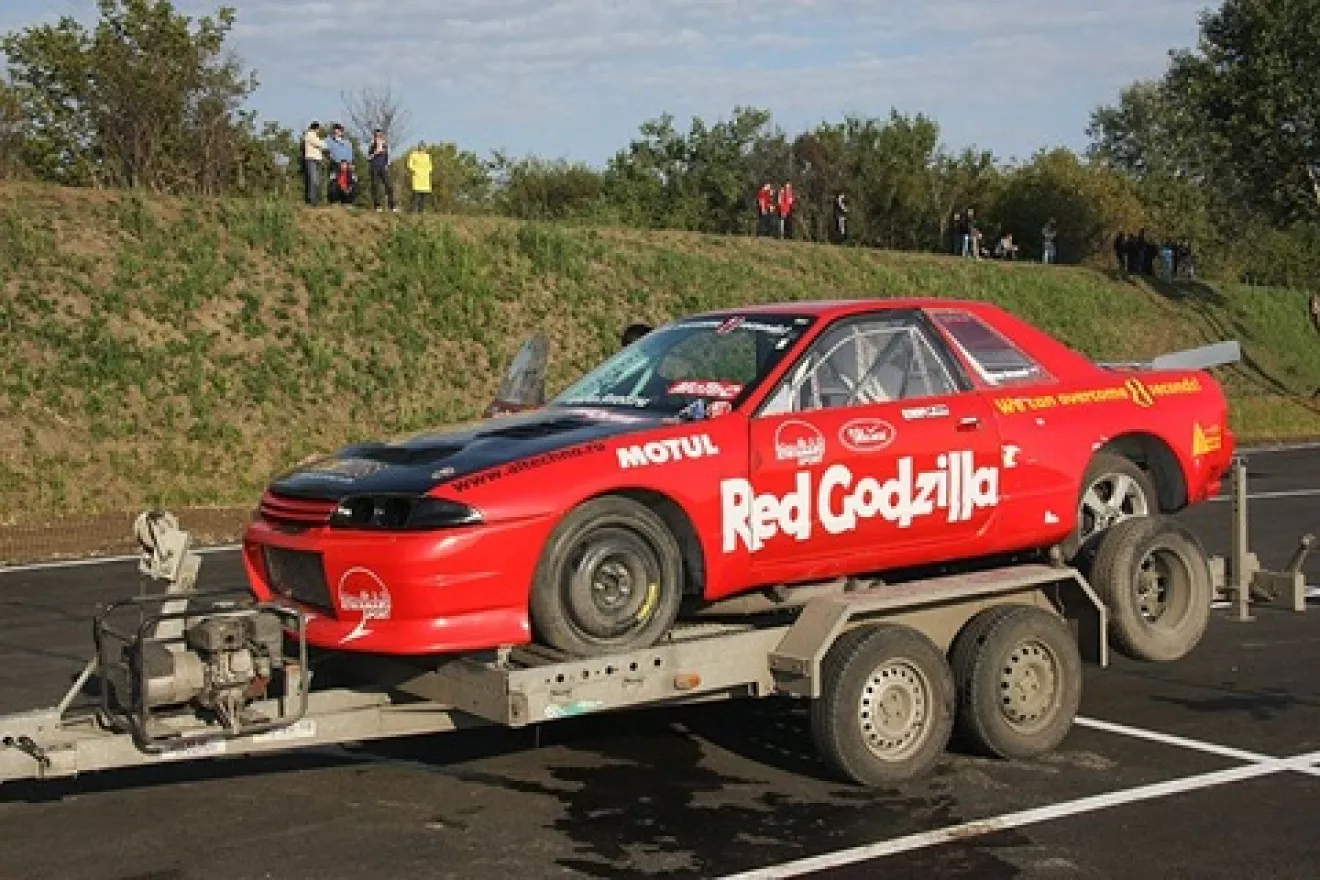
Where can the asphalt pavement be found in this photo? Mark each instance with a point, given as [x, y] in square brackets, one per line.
[1172, 771]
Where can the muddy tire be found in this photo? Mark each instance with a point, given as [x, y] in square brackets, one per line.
[1153, 577]
[885, 713]
[1113, 489]
[1019, 679]
[610, 579]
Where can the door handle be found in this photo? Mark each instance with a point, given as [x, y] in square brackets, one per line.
[969, 423]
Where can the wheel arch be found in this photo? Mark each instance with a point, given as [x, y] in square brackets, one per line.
[1156, 457]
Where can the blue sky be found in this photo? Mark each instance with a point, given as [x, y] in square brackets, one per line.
[575, 78]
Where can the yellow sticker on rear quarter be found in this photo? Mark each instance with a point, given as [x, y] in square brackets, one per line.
[1207, 440]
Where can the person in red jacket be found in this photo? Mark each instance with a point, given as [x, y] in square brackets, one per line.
[765, 209]
[786, 211]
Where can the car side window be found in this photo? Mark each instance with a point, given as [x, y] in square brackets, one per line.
[995, 359]
[863, 361]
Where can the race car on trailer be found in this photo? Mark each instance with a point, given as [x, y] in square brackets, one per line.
[920, 516]
[723, 463]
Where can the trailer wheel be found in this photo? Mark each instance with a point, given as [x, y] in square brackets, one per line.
[1019, 679]
[1113, 489]
[1153, 576]
[610, 579]
[885, 713]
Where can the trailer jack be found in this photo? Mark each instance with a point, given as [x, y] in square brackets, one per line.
[1240, 579]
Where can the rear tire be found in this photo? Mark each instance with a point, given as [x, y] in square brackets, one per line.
[610, 579]
[1154, 579]
[1113, 489]
[885, 713]
[1019, 679]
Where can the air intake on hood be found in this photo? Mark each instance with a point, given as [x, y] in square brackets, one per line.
[408, 455]
[530, 430]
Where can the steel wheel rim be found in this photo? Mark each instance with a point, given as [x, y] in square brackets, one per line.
[1110, 499]
[612, 583]
[1162, 587]
[894, 710]
[1029, 685]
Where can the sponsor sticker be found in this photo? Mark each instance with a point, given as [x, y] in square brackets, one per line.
[304, 728]
[207, 748]
[463, 484]
[719, 408]
[361, 591]
[706, 388]
[930, 411]
[345, 468]
[867, 435]
[840, 501]
[1134, 390]
[665, 451]
[799, 441]
[1206, 440]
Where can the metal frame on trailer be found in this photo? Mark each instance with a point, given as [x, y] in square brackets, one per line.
[511, 687]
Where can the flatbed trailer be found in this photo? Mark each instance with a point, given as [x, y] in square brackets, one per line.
[890, 670]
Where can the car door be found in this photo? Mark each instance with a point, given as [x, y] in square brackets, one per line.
[874, 452]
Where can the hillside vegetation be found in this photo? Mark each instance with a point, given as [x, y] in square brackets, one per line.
[179, 352]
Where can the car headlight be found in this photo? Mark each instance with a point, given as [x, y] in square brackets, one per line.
[401, 513]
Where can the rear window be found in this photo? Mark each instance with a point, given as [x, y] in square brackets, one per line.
[997, 360]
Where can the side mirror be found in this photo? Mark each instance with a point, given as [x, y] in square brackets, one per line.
[634, 332]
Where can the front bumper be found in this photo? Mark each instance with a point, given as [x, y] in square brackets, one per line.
[434, 592]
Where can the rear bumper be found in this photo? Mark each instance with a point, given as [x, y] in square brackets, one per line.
[399, 593]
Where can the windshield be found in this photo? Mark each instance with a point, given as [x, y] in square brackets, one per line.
[717, 359]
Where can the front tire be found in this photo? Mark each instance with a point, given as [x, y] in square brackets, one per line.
[610, 579]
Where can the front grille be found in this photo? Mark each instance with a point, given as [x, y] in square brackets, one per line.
[299, 575]
[296, 511]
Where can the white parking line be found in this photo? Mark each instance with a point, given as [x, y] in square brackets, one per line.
[1256, 766]
[981, 827]
[100, 560]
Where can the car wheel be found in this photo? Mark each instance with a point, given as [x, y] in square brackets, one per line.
[1113, 489]
[1154, 579]
[885, 712]
[1019, 680]
[610, 579]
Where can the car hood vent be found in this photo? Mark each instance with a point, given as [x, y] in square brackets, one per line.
[532, 430]
[409, 456]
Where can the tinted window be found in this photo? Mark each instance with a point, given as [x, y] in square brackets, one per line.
[997, 360]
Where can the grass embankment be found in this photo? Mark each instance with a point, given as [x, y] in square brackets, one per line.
[178, 352]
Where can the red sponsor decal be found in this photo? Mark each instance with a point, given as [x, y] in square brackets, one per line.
[800, 442]
[719, 408]
[363, 593]
[706, 388]
[867, 435]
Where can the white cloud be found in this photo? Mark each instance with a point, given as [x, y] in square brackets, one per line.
[577, 76]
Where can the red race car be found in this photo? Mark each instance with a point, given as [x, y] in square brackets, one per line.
[751, 452]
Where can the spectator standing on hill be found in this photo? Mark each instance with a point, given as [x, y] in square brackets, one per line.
[343, 180]
[786, 211]
[765, 208]
[313, 159]
[1048, 251]
[378, 156]
[1121, 251]
[971, 237]
[419, 166]
[840, 219]
[957, 231]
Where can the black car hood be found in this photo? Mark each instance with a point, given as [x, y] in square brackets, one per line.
[417, 464]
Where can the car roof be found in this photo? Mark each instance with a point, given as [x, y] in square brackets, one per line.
[836, 308]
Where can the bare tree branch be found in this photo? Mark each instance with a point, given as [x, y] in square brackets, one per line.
[369, 108]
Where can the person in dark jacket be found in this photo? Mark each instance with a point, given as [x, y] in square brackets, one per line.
[378, 156]
[1121, 252]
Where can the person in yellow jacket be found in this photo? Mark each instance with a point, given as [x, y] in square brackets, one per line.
[419, 166]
